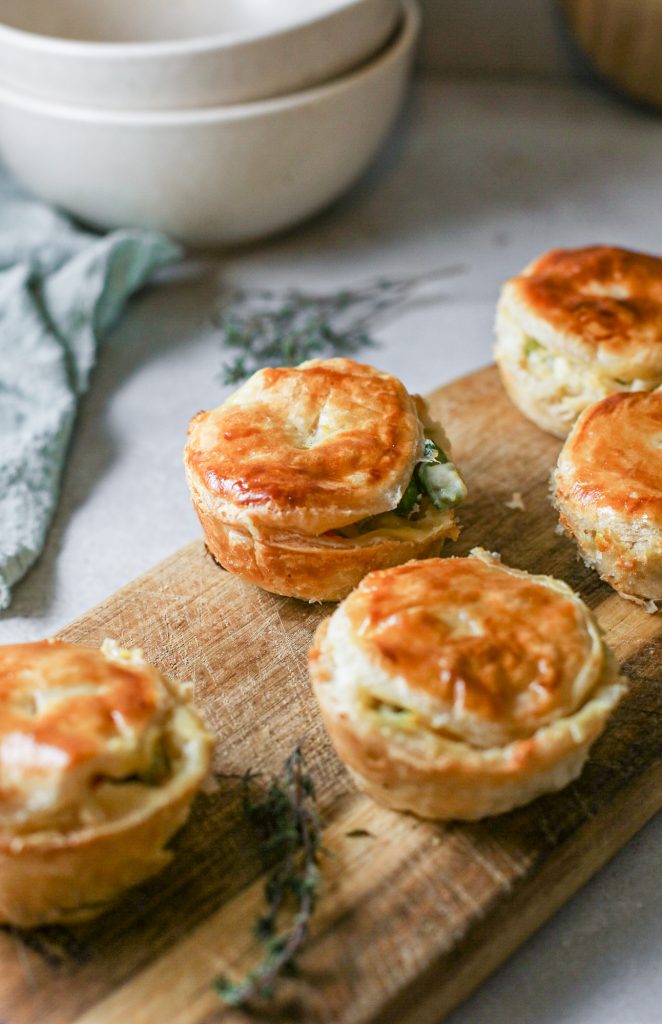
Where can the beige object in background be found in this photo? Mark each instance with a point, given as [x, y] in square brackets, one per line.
[577, 325]
[295, 478]
[623, 41]
[210, 176]
[151, 54]
[461, 688]
[100, 758]
[608, 490]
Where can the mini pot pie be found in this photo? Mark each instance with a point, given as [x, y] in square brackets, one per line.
[461, 688]
[576, 326]
[100, 758]
[608, 490]
[309, 477]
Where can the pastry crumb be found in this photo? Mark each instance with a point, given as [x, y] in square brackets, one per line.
[516, 503]
[650, 606]
[115, 652]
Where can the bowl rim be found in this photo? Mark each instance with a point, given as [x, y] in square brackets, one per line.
[400, 43]
[108, 50]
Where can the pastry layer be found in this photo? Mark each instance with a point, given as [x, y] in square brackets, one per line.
[576, 326]
[608, 490]
[309, 448]
[100, 758]
[328, 452]
[461, 687]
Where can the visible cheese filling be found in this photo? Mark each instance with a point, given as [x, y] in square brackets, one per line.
[574, 377]
[567, 385]
[423, 522]
[430, 514]
[435, 487]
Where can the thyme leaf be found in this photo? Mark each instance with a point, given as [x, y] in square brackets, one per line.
[272, 328]
[287, 822]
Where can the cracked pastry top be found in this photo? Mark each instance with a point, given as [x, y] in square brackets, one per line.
[460, 687]
[308, 477]
[100, 758]
[577, 325]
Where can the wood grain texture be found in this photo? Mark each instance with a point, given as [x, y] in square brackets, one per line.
[413, 915]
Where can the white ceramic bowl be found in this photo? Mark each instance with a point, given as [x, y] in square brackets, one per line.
[213, 176]
[177, 54]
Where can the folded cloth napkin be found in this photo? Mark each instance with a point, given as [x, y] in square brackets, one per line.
[61, 290]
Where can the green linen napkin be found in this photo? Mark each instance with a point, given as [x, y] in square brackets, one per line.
[61, 290]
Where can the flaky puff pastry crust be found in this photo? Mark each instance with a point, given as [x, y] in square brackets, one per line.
[577, 325]
[100, 758]
[607, 487]
[299, 453]
[461, 688]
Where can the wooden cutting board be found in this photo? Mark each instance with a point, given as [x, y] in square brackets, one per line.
[413, 915]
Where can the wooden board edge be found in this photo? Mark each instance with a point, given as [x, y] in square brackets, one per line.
[70, 631]
[432, 997]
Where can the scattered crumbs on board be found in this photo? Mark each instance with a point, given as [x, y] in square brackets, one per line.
[516, 502]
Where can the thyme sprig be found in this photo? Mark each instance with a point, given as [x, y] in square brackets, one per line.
[272, 328]
[288, 824]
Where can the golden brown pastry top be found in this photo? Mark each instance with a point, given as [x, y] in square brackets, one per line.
[603, 304]
[613, 457]
[308, 448]
[493, 653]
[72, 717]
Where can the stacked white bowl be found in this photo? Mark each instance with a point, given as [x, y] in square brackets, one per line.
[216, 121]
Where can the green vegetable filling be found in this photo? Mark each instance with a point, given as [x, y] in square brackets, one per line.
[154, 774]
[436, 477]
[391, 714]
